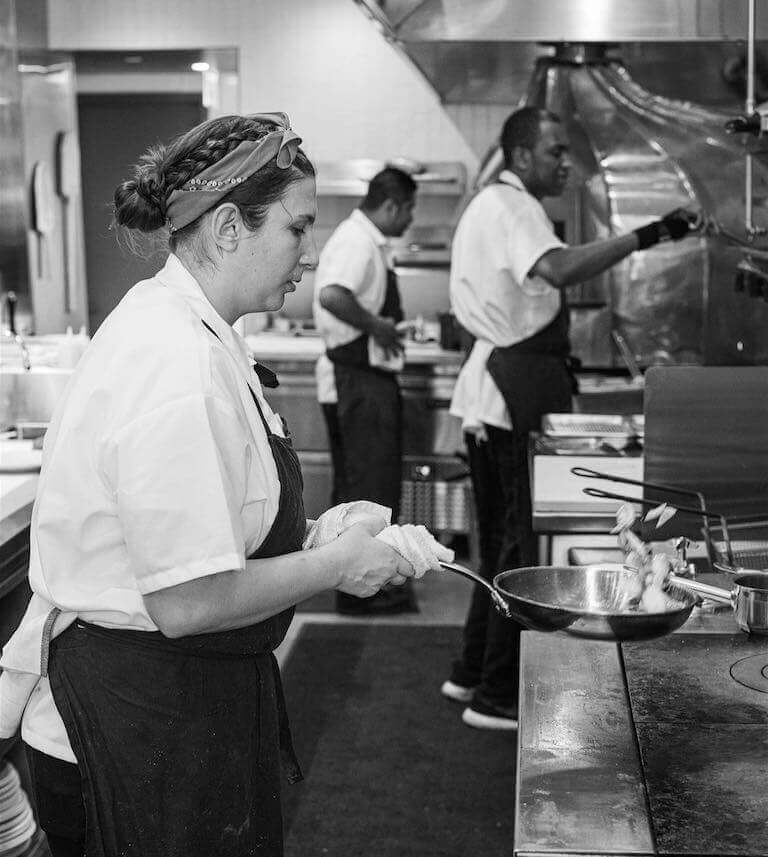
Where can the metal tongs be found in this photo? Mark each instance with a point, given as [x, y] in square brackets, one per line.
[702, 510]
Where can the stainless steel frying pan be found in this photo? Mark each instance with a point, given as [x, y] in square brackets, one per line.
[581, 601]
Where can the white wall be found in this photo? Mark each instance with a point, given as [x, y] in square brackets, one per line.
[349, 92]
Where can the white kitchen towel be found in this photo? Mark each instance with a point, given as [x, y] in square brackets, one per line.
[413, 542]
[379, 358]
[25, 658]
[341, 517]
[418, 546]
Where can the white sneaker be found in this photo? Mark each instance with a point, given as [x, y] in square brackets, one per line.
[482, 716]
[457, 692]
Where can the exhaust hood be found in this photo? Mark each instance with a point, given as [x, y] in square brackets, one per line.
[481, 51]
[639, 150]
[562, 20]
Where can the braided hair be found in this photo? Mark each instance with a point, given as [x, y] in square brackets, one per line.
[140, 202]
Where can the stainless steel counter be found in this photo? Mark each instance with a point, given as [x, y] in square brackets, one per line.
[644, 749]
[279, 347]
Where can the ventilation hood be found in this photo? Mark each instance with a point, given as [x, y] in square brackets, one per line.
[475, 51]
[562, 20]
[638, 150]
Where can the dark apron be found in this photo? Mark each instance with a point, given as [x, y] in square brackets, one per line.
[180, 743]
[355, 353]
[369, 418]
[535, 376]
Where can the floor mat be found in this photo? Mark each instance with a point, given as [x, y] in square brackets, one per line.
[325, 602]
[389, 767]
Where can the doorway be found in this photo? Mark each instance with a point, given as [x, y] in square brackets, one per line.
[115, 129]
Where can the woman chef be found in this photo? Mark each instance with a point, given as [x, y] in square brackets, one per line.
[167, 533]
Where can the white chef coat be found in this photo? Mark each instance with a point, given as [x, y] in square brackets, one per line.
[500, 236]
[156, 471]
[354, 257]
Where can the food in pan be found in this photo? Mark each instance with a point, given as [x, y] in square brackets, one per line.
[646, 590]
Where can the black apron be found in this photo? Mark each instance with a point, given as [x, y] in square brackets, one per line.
[180, 742]
[535, 376]
[369, 418]
[355, 353]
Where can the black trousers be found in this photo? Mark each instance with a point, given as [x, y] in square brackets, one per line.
[331, 415]
[501, 485]
[369, 434]
[59, 803]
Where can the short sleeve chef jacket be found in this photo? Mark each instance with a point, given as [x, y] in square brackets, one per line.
[156, 468]
[501, 235]
[353, 257]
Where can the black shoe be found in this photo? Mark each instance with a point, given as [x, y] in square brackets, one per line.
[385, 601]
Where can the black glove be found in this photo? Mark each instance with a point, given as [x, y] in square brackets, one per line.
[672, 227]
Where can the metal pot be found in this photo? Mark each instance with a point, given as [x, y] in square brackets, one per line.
[581, 601]
[748, 598]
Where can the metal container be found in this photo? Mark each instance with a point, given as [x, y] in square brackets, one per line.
[748, 598]
[750, 602]
[30, 397]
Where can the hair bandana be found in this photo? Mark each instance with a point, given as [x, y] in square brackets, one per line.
[204, 190]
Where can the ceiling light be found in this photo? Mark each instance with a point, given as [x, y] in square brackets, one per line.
[200, 66]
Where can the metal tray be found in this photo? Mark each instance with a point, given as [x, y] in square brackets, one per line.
[592, 425]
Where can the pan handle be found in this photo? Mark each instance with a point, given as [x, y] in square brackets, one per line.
[706, 590]
[499, 602]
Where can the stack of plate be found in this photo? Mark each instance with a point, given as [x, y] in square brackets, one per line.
[17, 822]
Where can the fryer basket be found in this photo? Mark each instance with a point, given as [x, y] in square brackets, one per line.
[748, 541]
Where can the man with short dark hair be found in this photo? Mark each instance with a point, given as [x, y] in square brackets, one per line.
[509, 273]
[357, 309]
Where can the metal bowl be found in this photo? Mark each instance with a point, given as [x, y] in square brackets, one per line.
[585, 601]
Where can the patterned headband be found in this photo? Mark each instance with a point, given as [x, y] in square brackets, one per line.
[204, 190]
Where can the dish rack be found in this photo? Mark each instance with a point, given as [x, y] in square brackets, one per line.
[438, 494]
[439, 502]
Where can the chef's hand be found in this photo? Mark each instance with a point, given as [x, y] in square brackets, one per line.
[674, 226]
[385, 333]
[332, 523]
[417, 545]
[367, 563]
[681, 222]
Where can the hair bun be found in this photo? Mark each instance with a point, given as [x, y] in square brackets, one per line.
[148, 187]
[140, 201]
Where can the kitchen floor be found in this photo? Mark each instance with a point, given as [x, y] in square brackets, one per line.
[443, 598]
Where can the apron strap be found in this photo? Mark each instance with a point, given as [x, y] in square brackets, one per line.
[264, 373]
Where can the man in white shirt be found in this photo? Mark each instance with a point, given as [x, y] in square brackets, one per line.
[509, 272]
[356, 309]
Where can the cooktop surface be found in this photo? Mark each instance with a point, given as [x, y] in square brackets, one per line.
[700, 710]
